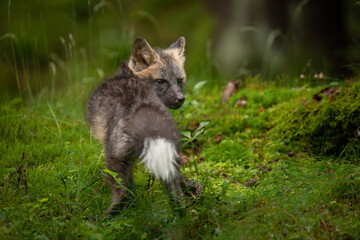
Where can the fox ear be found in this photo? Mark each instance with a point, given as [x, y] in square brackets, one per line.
[142, 55]
[179, 46]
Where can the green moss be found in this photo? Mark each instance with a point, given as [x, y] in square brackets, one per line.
[227, 150]
[325, 127]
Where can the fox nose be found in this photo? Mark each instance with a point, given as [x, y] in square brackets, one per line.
[181, 99]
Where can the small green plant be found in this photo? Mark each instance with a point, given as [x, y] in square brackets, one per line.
[189, 138]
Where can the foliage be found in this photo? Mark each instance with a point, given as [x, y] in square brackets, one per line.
[49, 44]
[189, 137]
[252, 186]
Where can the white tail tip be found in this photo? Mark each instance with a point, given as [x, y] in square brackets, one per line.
[159, 157]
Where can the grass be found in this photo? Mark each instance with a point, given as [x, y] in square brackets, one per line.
[254, 188]
[262, 177]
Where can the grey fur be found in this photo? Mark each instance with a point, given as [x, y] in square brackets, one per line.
[125, 110]
[161, 64]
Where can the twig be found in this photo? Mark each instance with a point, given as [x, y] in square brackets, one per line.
[151, 178]
[21, 171]
[10, 176]
[219, 226]
[322, 221]
[91, 183]
[23, 180]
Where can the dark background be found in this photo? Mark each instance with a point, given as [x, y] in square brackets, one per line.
[44, 43]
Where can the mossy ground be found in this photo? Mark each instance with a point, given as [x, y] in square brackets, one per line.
[263, 176]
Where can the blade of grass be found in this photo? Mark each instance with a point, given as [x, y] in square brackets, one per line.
[55, 118]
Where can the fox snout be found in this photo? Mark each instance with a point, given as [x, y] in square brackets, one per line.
[176, 103]
[181, 99]
[178, 100]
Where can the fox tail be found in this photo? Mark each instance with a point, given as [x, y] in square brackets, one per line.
[158, 136]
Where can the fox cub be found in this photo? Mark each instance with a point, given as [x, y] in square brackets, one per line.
[129, 114]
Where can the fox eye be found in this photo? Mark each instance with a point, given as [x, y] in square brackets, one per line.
[179, 80]
[160, 81]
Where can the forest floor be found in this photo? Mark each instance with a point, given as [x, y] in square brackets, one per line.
[275, 163]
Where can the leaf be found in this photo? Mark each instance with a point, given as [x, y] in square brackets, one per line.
[197, 133]
[202, 125]
[186, 141]
[15, 101]
[114, 174]
[200, 129]
[198, 86]
[186, 134]
[43, 200]
[119, 181]
[218, 138]
[230, 88]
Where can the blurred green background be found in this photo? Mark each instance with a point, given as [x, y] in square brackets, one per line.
[50, 44]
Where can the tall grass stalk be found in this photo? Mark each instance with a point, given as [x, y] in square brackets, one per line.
[55, 119]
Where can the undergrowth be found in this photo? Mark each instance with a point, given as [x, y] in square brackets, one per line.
[265, 173]
[283, 164]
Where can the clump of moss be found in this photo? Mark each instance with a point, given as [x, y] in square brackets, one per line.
[326, 124]
[228, 149]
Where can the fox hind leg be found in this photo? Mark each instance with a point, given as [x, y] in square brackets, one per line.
[175, 194]
[190, 187]
[123, 193]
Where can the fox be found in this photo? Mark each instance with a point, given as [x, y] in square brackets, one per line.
[129, 114]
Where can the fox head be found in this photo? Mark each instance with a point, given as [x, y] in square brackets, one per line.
[163, 67]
